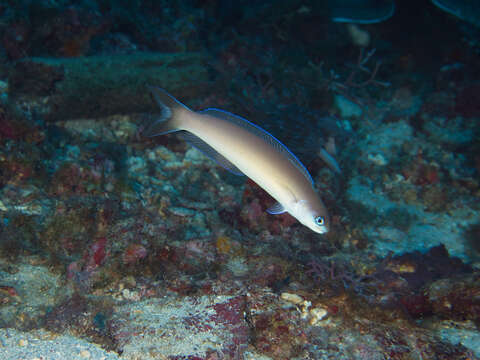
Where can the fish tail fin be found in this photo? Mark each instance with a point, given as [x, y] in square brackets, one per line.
[168, 121]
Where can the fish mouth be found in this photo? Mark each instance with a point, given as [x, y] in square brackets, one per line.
[320, 230]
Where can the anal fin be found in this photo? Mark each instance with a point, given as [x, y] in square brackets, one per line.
[207, 150]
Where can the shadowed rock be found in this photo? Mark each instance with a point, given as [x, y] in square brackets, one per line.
[97, 86]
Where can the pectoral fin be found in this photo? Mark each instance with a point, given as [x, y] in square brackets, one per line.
[287, 195]
[276, 208]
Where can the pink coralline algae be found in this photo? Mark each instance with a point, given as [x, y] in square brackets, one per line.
[230, 314]
[134, 253]
[98, 252]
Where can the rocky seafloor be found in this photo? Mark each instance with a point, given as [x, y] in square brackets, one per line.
[114, 245]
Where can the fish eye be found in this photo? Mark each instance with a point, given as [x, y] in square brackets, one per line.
[320, 220]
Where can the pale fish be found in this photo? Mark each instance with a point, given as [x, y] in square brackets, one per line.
[244, 148]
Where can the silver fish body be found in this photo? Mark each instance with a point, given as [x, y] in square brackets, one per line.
[245, 149]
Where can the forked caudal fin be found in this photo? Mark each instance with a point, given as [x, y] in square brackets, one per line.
[167, 121]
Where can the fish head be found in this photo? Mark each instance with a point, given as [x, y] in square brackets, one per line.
[312, 214]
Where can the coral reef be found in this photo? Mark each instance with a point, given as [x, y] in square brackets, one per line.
[120, 246]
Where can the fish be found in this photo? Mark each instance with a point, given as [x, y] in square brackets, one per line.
[329, 160]
[244, 148]
[328, 153]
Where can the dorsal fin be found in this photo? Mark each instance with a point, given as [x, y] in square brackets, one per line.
[257, 130]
